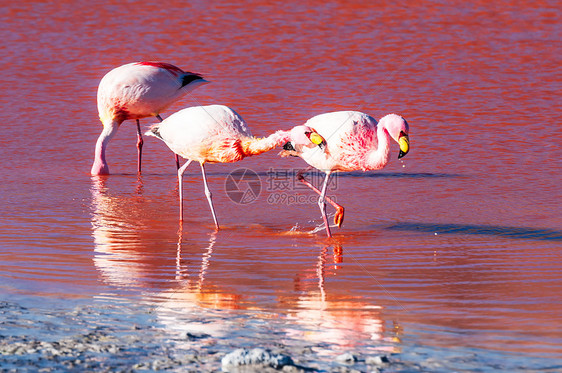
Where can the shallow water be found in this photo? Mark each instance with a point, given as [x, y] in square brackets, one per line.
[452, 253]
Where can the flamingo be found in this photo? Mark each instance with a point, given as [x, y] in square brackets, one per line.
[133, 91]
[217, 134]
[352, 141]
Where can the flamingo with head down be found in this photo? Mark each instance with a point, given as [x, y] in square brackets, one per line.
[352, 141]
[134, 91]
[217, 134]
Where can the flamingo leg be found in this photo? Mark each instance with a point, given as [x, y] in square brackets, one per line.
[140, 142]
[176, 156]
[322, 204]
[209, 196]
[180, 174]
[338, 218]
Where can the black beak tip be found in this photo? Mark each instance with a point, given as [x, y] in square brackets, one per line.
[401, 154]
[288, 146]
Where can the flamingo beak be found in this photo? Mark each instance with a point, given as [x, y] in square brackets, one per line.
[404, 143]
[289, 146]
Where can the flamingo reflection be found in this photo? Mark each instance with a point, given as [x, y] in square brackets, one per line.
[182, 273]
[115, 229]
[188, 307]
[132, 245]
[338, 319]
[172, 272]
[132, 253]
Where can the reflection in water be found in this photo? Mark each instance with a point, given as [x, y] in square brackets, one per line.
[124, 255]
[140, 185]
[115, 232]
[189, 307]
[130, 254]
[182, 273]
[341, 320]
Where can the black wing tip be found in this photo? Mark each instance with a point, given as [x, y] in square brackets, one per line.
[188, 78]
[155, 131]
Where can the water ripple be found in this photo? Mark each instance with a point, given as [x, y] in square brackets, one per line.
[493, 230]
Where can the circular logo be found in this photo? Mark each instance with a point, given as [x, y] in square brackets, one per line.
[242, 186]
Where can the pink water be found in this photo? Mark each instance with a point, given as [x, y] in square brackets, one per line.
[457, 246]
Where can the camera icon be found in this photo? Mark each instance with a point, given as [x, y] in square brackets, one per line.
[242, 186]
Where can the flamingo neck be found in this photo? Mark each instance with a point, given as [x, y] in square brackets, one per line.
[254, 146]
[378, 158]
[100, 166]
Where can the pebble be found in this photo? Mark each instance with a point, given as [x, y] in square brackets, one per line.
[256, 356]
[377, 360]
[344, 369]
[192, 336]
[293, 369]
[347, 358]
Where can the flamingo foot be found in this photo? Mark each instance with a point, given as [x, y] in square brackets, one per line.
[338, 218]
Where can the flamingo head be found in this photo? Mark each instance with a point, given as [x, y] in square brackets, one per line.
[398, 129]
[304, 136]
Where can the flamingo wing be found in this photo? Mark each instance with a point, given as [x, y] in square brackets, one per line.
[143, 89]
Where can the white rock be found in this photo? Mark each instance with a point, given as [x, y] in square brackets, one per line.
[256, 356]
[347, 358]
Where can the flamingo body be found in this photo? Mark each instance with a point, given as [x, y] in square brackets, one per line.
[217, 134]
[211, 134]
[142, 89]
[353, 141]
[134, 91]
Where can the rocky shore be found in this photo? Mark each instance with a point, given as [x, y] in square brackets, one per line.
[102, 351]
[111, 339]
[37, 340]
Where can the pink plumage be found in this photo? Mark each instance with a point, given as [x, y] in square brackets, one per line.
[353, 141]
[134, 91]
[162, 65]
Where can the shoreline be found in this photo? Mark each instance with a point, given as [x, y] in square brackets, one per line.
[33, 339]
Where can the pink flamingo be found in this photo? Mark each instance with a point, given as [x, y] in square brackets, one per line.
[133, 91]
[353, 141]
[217, 134]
